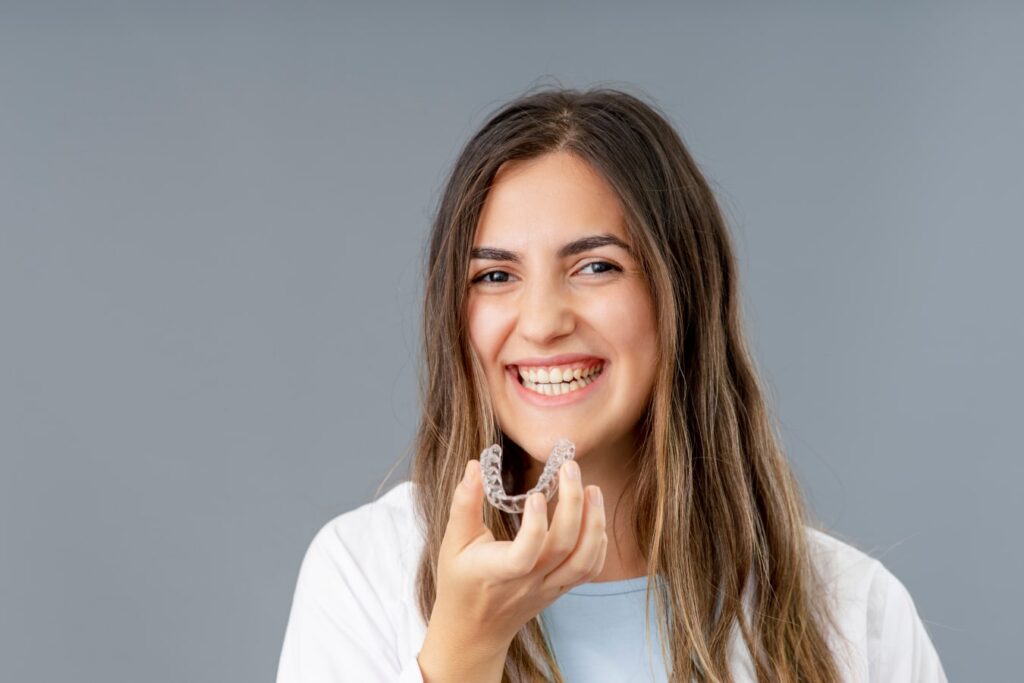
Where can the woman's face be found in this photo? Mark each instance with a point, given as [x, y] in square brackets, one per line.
[556, 295]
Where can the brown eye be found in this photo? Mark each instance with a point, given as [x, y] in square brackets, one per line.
[485, 277]
[605, 267]
[498, 277]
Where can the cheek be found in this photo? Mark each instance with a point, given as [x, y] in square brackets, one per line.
[628, 322]
[486, 325]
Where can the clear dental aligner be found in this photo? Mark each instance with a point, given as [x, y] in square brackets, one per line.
[494, 489]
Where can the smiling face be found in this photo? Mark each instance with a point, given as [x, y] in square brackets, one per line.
[559, 313]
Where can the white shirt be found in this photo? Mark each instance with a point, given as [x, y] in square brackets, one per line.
[354, 616]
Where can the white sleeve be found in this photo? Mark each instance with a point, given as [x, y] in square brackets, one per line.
[338, 629]
[899, 646]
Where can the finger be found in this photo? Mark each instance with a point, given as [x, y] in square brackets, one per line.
[519, 556]
[465, 516]
[577, 567]
[565, 527]
[598, 567]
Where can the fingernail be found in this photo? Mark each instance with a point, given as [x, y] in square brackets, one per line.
[595, 496]
[466, 475]
[572, 470]
[538, 502]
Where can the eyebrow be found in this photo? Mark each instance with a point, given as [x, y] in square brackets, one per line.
[577, 246]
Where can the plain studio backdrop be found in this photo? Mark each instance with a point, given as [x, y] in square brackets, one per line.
[211, 222]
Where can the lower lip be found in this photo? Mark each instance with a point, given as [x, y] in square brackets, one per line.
[560, 400]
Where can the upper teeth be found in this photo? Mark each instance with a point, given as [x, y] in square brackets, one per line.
[558, 374]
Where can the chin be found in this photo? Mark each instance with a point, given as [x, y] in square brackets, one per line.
[539, 443]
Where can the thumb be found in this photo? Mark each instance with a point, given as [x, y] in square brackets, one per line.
[466, 519]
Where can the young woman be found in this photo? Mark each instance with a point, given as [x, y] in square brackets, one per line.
[581, 284]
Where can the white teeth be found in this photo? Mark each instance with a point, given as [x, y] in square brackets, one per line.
[557, 375]
[532, 379]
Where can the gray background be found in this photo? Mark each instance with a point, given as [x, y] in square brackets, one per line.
[211, 219]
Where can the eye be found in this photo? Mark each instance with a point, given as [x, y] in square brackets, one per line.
[605, 267]
[483, 278]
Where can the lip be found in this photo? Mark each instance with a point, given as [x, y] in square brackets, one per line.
[564, 359]
[562, 399]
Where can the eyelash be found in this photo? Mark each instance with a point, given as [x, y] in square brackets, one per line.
[479, 279]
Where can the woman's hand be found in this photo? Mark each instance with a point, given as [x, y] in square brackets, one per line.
[487, 589]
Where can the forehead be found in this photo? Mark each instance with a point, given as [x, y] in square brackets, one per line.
[547, 201]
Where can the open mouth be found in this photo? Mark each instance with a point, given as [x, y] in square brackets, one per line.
[558, 380]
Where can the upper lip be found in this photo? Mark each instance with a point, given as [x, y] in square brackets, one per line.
[563, 359]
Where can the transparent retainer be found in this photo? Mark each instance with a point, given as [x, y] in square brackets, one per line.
[494, 489]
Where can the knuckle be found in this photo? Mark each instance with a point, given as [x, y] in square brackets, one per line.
[518, 565]
[598, 566]
[571, 494]
[561, 547]
[580, 566]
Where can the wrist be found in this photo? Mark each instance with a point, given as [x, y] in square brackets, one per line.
[447, 658]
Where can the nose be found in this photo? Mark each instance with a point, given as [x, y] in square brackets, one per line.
[545, 312]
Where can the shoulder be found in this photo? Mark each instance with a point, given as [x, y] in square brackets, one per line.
[367, 555]
[360, 566]
[380, 539]
[392, 514]
[853, 575]
[874, 611]
[352, 607]
[840, 563]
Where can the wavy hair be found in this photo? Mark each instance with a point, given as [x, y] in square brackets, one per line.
[717, 511]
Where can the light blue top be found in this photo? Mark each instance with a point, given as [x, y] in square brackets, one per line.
[596, 632]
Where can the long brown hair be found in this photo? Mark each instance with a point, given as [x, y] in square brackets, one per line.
[717, 513]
